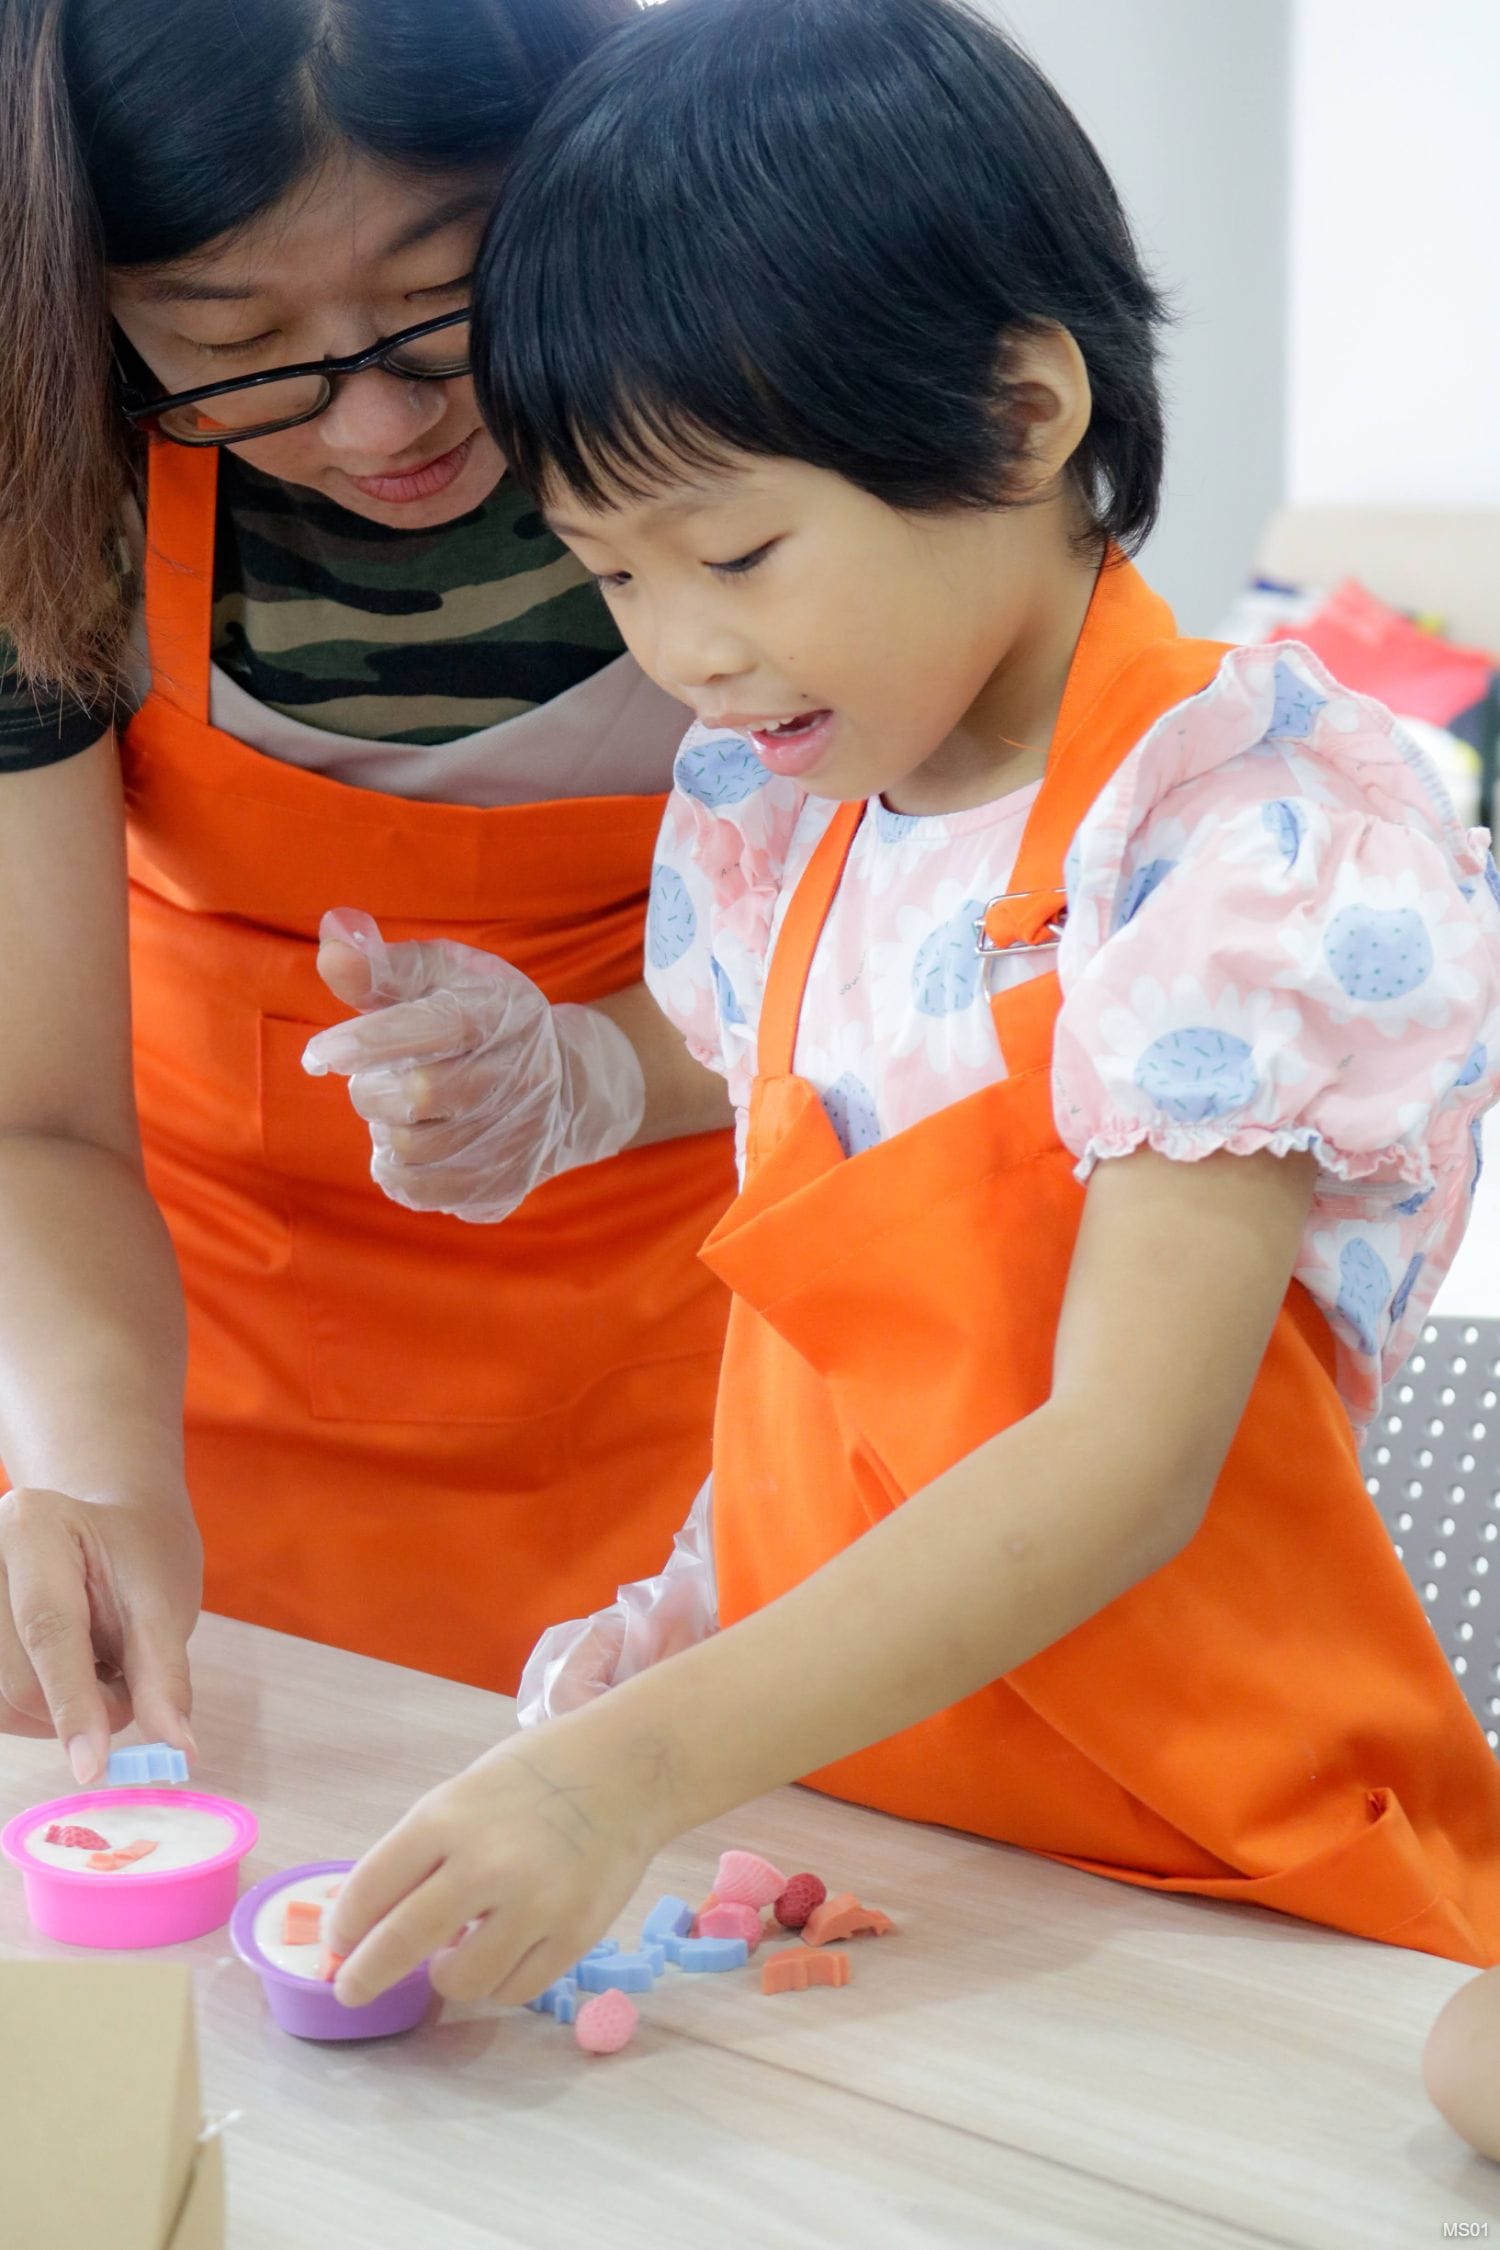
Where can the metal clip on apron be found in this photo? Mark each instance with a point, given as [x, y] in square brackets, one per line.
[1268, 1718]
[419, 1439]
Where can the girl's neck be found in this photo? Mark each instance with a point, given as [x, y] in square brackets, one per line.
[1002, 742]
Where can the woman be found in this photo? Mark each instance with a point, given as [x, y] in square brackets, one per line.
[366, 674]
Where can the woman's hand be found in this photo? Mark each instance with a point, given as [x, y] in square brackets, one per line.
[98, 1601]
[529, 1855]
[474, 1087]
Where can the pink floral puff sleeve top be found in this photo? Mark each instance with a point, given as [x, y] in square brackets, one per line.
[1278, 937]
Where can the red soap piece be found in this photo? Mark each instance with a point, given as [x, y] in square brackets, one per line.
[731, 1920]
[302, 1922]
[797, 1901]
[606, 2023]
[745, 1879]
[330, 1965]
[106, 1862]
[141, 1849]
[76, 1839]
[842, 1916]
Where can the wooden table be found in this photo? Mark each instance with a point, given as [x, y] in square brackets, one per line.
[1039, 2058]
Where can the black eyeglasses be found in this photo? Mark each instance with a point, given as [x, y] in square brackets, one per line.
[228, 413]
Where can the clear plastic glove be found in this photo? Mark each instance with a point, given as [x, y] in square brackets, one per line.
[647, 1620]
[474, 1087]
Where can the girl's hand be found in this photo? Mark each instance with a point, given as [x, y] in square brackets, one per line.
[529, 1855]
[97, 1600]
[474, 1088]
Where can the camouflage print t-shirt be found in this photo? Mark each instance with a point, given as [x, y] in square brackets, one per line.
[347, 625]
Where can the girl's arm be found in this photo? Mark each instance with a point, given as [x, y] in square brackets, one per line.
[99, 1556]
[1177, 1278]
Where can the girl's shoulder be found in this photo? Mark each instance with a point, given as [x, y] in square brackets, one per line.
[1278, 770]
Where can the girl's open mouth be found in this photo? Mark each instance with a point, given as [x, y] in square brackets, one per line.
[793, 746]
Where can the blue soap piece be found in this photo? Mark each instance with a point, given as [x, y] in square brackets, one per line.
[618, 1972]
[656, 1955]
[669, 1917]
[144, 1762]
[605, 1945]
[712, 1953]
[560, 2000]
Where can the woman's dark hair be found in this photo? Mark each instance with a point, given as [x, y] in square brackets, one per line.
[807, 228]
[135, 132]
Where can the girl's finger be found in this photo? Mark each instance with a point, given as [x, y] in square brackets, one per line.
[419, 1926]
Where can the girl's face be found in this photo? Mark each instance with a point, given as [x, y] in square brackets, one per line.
[865, 651]
[354, 254]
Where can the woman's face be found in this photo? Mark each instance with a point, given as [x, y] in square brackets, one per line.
[355, 253]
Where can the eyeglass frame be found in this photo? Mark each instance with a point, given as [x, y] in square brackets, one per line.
[332, 371]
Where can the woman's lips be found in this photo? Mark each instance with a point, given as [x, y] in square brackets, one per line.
[422, 482]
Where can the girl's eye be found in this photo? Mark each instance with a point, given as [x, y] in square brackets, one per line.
[459, 288]
[743, 563]
[610, 582]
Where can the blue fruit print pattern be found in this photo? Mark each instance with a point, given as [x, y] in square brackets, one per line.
[723, 772]
[852, 1114]
[672, 922]
[1364, 1290]
[1475, 1066]
[1286, 825]
[1295, 708]
[1476, 1142]
[1414, 1203]
[730, 1010]
[945, 974]
[1194, 1075]
[1142, 883]
[1492, 877]
[1403, 1294]
[892, 827]
[1378, 956]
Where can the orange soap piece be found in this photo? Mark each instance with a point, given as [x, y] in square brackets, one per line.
[794, 1972]
[141, 1849]
[106, 1862]
[302, 1923]
[330, 1965]
[842, 1916]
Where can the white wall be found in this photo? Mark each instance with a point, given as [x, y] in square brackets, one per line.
[1394, 370]
[1186, 101]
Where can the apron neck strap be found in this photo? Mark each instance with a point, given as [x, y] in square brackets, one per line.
[181, 488]
[1127, 668]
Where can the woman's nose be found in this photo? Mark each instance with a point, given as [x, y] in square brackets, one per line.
[375, 415]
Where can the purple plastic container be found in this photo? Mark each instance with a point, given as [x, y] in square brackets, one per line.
[305, 2007]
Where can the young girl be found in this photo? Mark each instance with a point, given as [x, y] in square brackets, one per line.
[1109, 1017]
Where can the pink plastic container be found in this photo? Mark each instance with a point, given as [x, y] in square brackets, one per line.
[81, 1906]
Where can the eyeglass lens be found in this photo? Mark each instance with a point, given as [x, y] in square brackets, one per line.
[294, 398]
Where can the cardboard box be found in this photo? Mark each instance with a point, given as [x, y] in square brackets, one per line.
[100, 2110]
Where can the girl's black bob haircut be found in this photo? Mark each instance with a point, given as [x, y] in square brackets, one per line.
[804, 229]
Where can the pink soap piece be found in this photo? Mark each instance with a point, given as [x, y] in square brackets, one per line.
[731, 1920]
[606, 2023]
[744, 1879]
[76, 1839]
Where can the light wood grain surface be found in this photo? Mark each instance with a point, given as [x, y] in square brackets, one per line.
[1039, 2058]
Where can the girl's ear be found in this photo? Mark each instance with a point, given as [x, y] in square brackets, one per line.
[1046, 403]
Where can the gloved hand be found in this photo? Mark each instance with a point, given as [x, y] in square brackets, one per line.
[474, 1087]
[647, 1620]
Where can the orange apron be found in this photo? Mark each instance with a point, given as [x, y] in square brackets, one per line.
[1269, 1718]
[423, 1440]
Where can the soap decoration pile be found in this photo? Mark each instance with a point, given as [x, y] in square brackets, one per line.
[750, 1901]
